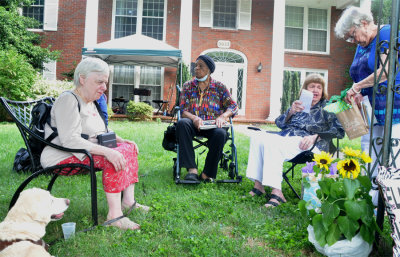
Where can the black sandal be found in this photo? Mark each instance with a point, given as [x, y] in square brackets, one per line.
[256, 192]
[274, 204]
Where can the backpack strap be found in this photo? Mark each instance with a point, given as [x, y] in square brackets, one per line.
[55, 132]
[101, 114]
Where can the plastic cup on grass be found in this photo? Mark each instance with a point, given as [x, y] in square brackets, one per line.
[68, 229]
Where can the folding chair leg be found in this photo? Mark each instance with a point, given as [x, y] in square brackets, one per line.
[290, 185]
[93, 189]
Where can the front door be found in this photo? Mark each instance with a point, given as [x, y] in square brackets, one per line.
[227, 73]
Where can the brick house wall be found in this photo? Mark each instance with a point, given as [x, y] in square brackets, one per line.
[255, 44]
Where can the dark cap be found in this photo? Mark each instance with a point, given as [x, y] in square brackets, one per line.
[208, 61]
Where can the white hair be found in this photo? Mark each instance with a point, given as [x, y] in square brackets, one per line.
[351, 17]
[89, 65]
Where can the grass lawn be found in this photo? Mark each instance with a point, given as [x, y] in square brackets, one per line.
[185, 220]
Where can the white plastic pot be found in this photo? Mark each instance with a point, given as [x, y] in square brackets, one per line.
[357, 247]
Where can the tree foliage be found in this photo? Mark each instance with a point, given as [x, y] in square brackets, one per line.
[14, 34]
[291, 89]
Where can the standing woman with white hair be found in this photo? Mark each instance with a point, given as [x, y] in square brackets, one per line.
[357, 26]
[78, 124]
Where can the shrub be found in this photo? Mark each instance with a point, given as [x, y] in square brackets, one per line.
[139, 111]
[16, 76]
[53, 88]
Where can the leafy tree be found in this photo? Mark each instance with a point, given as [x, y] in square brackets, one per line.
[14, 34]
[291, 89]
[386, 10]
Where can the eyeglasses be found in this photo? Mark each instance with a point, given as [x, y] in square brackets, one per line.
[351, 39]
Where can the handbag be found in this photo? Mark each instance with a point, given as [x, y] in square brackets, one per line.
[169, 142]
[353, 122]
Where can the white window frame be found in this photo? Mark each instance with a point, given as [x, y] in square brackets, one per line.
[139, 31]
[50, 16]
[139, 18]
[244, 9]
[303, 72]
[305, 28]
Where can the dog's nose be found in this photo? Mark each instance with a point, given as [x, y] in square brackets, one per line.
[67, 201]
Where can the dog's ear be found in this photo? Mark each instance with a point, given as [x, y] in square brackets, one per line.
[33, 204]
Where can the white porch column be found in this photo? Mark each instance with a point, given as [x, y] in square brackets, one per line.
[278, 56]
[185, 31]
[91, 22]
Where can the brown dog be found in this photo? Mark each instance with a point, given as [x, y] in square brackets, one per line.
[22, 230]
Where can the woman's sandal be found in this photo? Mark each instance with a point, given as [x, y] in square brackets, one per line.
[273, 204]
[256, 192]
[135, 205]
[123, 223]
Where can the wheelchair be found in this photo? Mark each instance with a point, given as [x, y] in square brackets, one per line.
[228, 161]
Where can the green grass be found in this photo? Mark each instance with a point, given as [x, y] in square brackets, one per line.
[185, 220]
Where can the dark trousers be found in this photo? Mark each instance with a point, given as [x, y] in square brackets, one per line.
[185, 132]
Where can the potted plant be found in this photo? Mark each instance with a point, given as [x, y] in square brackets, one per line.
[346, 213]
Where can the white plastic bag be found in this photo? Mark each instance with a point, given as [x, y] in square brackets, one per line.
[357, 247]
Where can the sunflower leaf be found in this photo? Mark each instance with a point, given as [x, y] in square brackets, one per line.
[366, 234]
[350, 187]
[367, 212]
[319, 229]
[353, 209]
[337, 191]
[325, 186]
[365, 182]
[333, 234]
[330, 212]
[348, 226]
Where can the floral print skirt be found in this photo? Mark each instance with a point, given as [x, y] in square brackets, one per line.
[113, 182]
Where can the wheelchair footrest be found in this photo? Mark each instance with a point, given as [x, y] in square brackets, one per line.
[229, 180]
[182, 181]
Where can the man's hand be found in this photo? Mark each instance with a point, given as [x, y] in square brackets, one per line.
[197, 122]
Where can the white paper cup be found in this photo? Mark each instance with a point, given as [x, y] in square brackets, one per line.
[68, 229]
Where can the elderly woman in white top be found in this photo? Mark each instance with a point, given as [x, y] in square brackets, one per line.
[73, 114]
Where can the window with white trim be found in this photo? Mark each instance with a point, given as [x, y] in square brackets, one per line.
[225, 14]
[139, 17]
[45, 12]
[35, 11]
[307, 29]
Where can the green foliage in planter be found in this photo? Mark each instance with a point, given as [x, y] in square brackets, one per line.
[139, 111]
[346, 206]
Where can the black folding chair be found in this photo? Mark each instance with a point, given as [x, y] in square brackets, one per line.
[302, 158]
[20, 112]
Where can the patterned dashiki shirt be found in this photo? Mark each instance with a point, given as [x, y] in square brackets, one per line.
[214, 101]
[318, 121]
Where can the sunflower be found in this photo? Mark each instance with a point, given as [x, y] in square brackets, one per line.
[365, 157]
[349, 168]
[323, 160]
[351, 152]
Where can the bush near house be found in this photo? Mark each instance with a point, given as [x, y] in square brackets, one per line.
[139, 111]
[54, 88]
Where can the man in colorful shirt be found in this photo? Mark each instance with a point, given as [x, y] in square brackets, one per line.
[203, 99]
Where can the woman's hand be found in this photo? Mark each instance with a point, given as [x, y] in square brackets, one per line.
[307, 142]
[197, 121]
[116, 158]
[220, 121]
[353, 93]
[296, 107]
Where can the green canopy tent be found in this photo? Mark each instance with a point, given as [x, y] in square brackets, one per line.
[138, 50]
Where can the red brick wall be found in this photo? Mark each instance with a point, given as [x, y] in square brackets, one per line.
[337, 62]
[69, 36]
[255, 44]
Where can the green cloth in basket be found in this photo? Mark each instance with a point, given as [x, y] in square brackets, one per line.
[336, 104]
